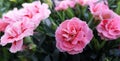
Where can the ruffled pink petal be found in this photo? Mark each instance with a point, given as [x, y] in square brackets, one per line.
[16, 46]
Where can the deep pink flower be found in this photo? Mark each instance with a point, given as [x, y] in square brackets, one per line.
[72, 36]
[109, 28]
[65, 4]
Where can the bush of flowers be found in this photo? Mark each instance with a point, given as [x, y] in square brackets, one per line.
[60, 30]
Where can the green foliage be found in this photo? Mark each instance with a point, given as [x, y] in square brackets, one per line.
[6, 5]
[118, 8]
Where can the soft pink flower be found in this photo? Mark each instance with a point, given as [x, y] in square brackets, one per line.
[17, 31]
[109, 28]
[72, 36]
[35, 11]
[65, 4]
[107, 14]
[3, 25]
[101, 11]
[86, 2]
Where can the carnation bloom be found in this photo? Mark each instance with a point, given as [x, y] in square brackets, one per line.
[109, 29]
[86, 2]
[101, 11]
[35, 11]
[15, 32]
[65, 4]
[72, 36]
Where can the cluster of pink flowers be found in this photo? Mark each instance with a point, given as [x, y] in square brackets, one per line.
[73, 35]
[108, 29]
[100, 11]
[65, 4]
[18, 24]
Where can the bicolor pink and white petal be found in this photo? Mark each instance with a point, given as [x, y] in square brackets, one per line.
[35, 11]
[16, 46]
[12, 16]
[86, 2]
[64, 5]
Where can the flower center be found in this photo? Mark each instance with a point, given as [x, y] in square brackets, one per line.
[69, 35]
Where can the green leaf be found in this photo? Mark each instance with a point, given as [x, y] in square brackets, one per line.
[47, 58]
[118, 8]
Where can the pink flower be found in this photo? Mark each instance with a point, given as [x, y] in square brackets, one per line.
[86, 2]
[15, 32]
[107, 14]
[64, 5]
[35, 11]
[3, 25]
[109, 28]
[72, 36]
[101, 11]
